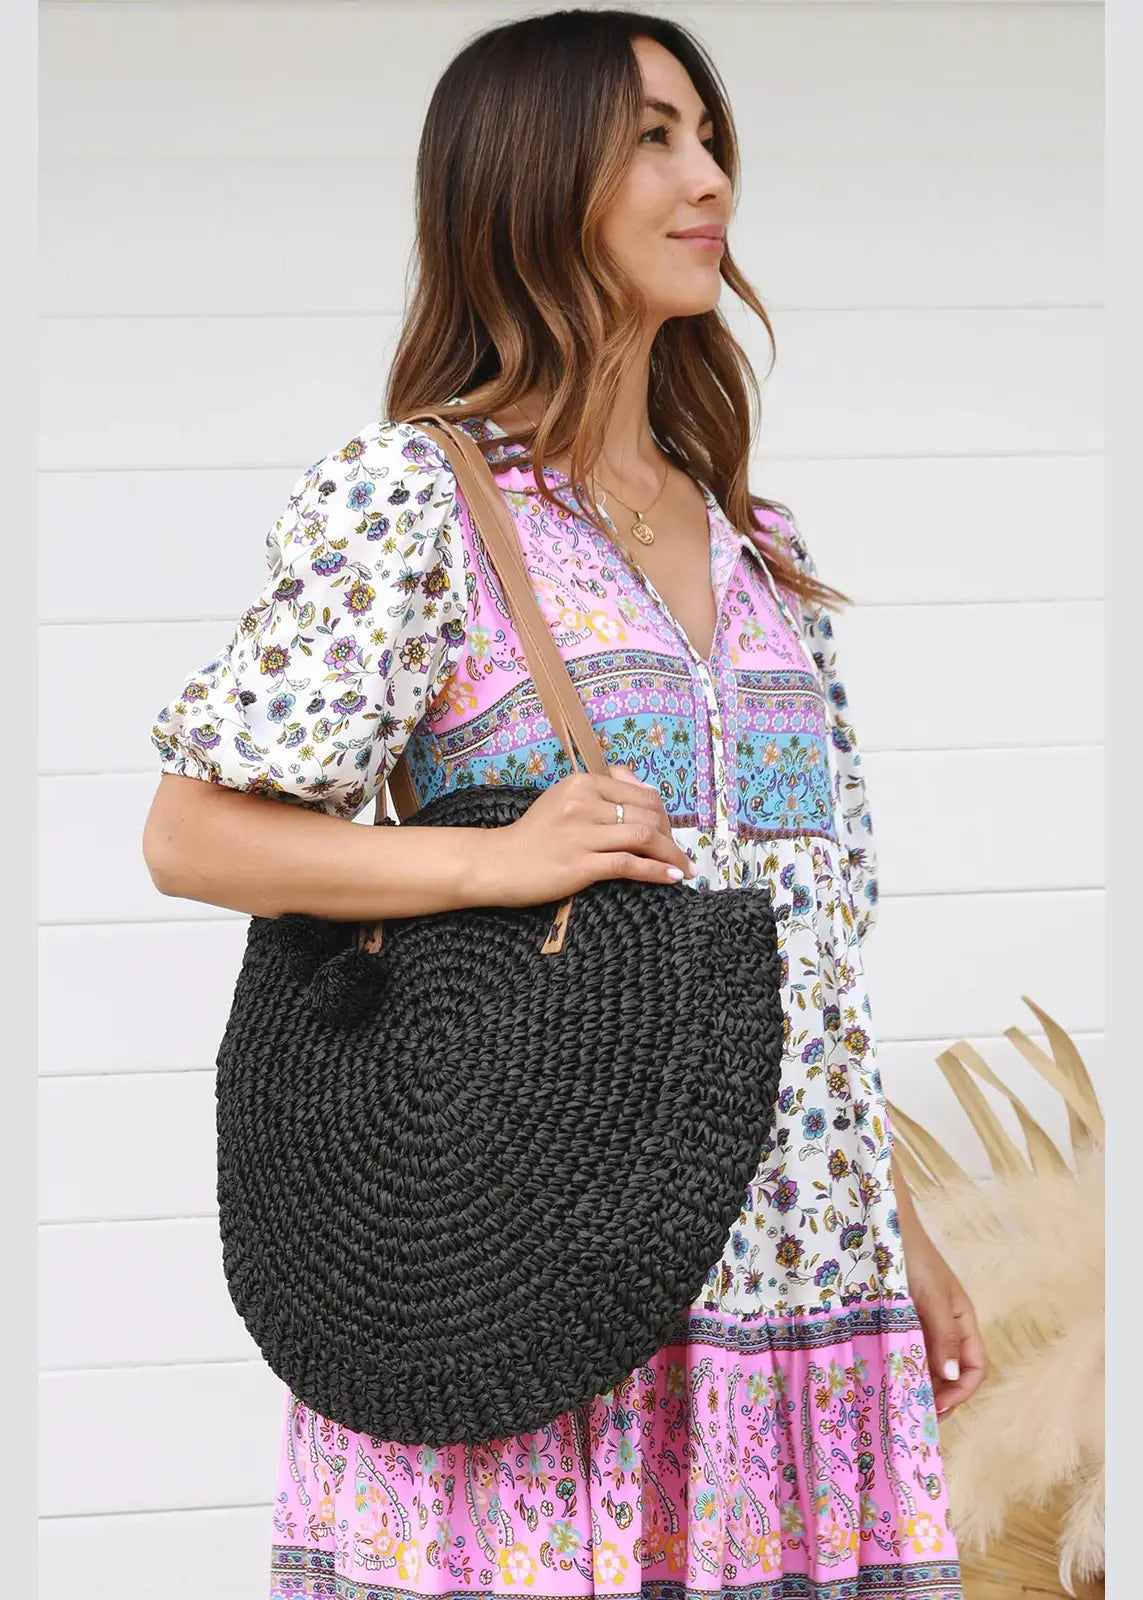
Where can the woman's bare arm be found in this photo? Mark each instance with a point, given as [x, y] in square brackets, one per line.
[263, 856]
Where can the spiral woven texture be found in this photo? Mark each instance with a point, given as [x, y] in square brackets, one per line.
[465, 1187]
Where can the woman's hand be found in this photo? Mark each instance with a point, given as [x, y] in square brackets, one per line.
[569, 838]
[958, 1361]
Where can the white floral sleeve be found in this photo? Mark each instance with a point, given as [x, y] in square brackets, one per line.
[859, 849]
[355, 633]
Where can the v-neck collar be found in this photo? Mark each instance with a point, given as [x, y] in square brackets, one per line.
[723, 565]
[715, 576]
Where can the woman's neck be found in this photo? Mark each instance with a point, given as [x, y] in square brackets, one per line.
[629, 458]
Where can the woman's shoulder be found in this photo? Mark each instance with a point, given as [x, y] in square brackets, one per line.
[387, 480]
[383, 451]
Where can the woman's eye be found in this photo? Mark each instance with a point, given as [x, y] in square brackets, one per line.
[660, 135]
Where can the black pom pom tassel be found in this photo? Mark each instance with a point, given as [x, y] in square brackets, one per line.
[346, 990]
[304, 942]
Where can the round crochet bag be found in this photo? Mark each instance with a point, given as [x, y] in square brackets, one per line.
[474, 1167]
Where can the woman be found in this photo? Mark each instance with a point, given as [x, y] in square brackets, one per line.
[576, 177]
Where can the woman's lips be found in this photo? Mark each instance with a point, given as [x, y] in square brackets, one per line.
[700, 242]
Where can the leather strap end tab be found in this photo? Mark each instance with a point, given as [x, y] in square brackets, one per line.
[557, 933]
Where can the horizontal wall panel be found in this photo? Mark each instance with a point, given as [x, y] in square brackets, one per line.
[843, 230]
[177, 392]
[929, 382]
[935, 814]
[134, 1145]
[932, 531]
[973, 676]
[150, 996]
[947, 821]
[236, 392]
[160, 1437]
[918, 677]
[134, 546]
[158, 1555]
[144, 666]
[808, 77]
[91, 854]
[133, 1293]
[136, 230]
[129, 1293]
[833, 230]
[139, 1145]
[957, 965]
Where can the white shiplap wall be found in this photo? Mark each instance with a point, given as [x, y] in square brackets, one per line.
[225, 223]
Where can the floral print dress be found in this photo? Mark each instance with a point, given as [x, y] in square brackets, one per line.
[787, 1447]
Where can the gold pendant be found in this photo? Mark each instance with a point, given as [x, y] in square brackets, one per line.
[642, 531]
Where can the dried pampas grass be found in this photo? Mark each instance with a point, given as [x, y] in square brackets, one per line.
[1025, 1456]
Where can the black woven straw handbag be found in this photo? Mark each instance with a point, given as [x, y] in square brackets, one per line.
[475, 1166]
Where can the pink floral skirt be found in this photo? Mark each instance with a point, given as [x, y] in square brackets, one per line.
[790, 1457]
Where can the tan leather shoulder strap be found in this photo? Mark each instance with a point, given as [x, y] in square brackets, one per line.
[400, 786]
[494, 526]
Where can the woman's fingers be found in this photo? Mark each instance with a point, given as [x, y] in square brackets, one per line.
[645, 829]
[635, 812]
[642, 845]
[965, 1368]
[943, 1350]
[648, 869]
[962, 1364]
[641, 836]
[625, 787]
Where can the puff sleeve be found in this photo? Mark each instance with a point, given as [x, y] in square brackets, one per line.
[356, 632]
[859, 848]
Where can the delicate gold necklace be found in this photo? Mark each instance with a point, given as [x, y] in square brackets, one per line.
[642, 529]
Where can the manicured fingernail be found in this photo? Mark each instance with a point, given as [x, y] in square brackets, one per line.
[674, 872]
[951, 1370]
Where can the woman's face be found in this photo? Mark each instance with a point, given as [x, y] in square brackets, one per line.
[673, 185]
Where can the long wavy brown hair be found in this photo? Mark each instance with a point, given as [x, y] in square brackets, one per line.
[526, 139]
